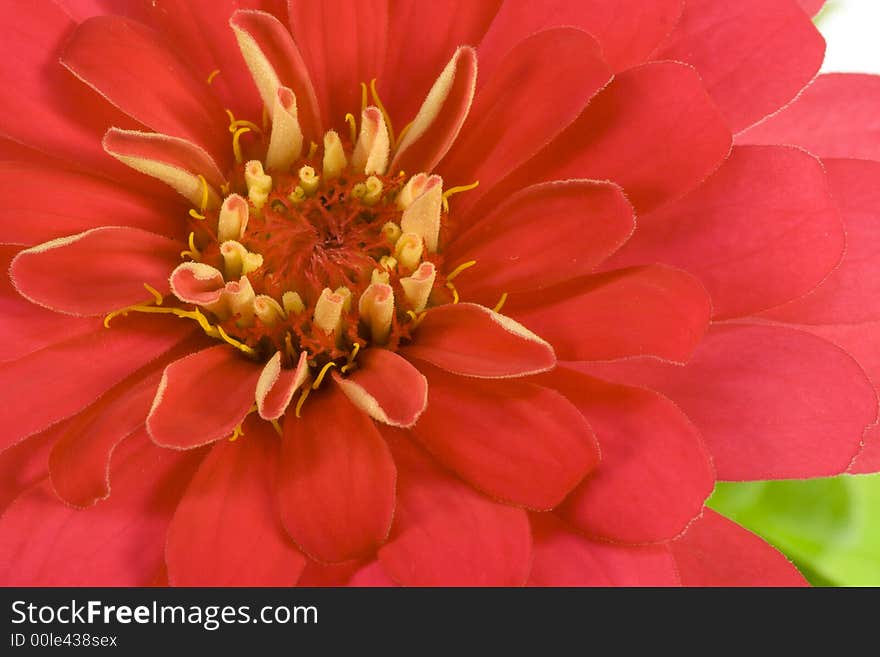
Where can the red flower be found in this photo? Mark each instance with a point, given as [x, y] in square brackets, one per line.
[294, 367]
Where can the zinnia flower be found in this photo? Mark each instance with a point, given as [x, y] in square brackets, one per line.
[390, 292]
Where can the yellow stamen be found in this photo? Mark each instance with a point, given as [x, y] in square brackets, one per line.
[455, 272]
[352, 125]
[159, 298]
[500, 304]
[322, 374]
[193, 251]
[288, 345]
[363, 97]
[416, 318]
[457, 190]
[235, 343]
[235, 124]
[351, 357]
[277, 427]
[302, 400]
[196, 215]
[236, 145]
[204, 204]
[455, 297]
[225, 189]
[236, 433]
[382, 109]
[403, 134]
[213, 74]
[313, 148]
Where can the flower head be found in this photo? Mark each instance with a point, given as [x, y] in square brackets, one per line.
[394, 293]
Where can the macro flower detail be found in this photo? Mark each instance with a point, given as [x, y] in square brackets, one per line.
[368, 293]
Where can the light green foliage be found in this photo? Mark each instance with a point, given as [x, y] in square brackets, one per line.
[829, 527]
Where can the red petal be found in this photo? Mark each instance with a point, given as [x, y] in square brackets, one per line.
[79, 463]
[372, 575]
[766, 399]
[717, 552]
[115, 543]
[343, 44]
[51, 111]
[628, 30]
[487, 432]
[440, 118]
[97, 271]
[49, 385]
[517, 249]
[276, 386]
[564, 558]
[851, 293]
[471, 340]
[226, 531]
[524, 105]
[336, 487]
[761, 231]
[317, 574]
[202, 398]
[95, 53]
[653, 130]
[386, 387]
[23, 465]
[812, 7]
[445, 533]
[434, 30]
[655, 472]
[26, 327]
[48, 203]
[836, 116]
[753, 55]
[280, 63]
[867, 461]
[641, 311]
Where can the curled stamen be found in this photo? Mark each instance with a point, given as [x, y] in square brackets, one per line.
[455, 272]
[156, 295]
[320, 379]
[382, 109]
[457, 190]
[213, 74]
[452, 288]
[196, 215]
[302, 400]
[352, 126]
[193, 251]
[236, 143]
[501, 302]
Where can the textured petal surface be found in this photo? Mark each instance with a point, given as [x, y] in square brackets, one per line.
[851, 293]
[61, 379]
[868, 459]
[653, 130]
[516, 441]
[104, 269]
[655, 471]
[628, 30]
[43, 203]
[516, 250]
[174, 102]
[118, 542]
[386, 387]
[447, 534]
[770, 402]
[79, 463]
[640, 311]
[471, 340]
[761, 231]
[202, 398]
[226, 531]
[337, 479]
[717, 552]
[23, 465]
[565, 558]
[836, 116]
[753, 55]
[525, 104]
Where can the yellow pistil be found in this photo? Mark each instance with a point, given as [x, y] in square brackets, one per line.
[351, 357]
[156, 295]
[501, 302]
[382, 109]
[320, 378]
[193, 251]
[204, 202]
[235, 124]
[302, 400]
[417, 318]
[236, 145]
[196, 215]
[352, 126]
[457, 190]
[452, 288]
[213, 74]
[455, 272]
[238, 432]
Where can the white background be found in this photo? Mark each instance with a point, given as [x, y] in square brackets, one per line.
[852, 30]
